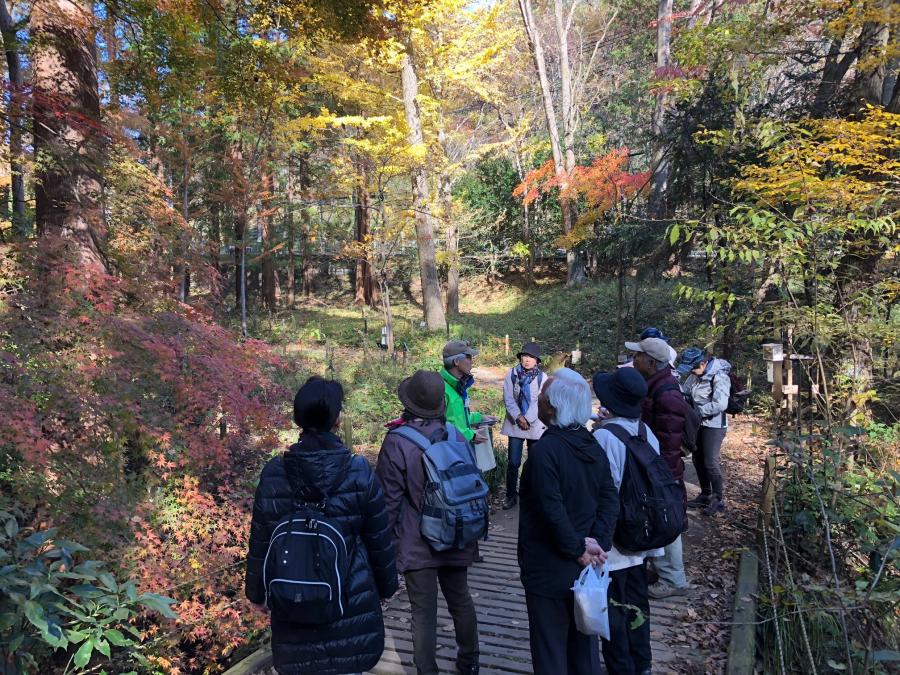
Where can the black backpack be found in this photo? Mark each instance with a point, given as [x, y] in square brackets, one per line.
[737, 394]
[651, 503]
[307, 565]
[692, 420]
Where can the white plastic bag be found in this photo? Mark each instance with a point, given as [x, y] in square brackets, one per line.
[591, 609]
[484, 453]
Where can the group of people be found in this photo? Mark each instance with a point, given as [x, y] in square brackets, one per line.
[568, 498]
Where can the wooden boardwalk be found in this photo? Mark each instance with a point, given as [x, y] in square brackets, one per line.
[503, 622]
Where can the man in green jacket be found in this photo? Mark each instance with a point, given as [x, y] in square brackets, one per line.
[457, 375]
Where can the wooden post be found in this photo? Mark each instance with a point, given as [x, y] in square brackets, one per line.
[742, 648]
[347, 429]
[506, 345]
[767, 500]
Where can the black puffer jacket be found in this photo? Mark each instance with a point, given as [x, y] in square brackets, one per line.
[354, 643]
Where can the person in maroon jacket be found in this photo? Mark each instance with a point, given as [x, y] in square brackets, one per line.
[402, 475]
[664, 410]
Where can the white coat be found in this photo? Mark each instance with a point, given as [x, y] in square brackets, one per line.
[510, 398]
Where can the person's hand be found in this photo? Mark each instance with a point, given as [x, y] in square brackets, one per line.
[523, 423]
[594, 549]
[488, 419]
[481, 435]
[588, 559]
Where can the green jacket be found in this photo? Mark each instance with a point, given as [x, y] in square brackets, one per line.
[457, 410]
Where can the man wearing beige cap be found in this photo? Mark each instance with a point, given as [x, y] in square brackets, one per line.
[664, 410]
[457, 376]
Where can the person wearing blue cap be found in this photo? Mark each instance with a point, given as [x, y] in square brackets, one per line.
[627, 652]
[651, 332]
[709, 386]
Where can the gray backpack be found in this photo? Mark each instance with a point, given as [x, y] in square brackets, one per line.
[454, 511]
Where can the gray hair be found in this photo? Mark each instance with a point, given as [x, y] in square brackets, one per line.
[450, 361]
[570, 396]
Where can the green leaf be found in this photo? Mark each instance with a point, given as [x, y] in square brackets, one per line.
[673, 234]
[116, 637]
[100, 645]
[35, 614]
[159, 603]
[83, 655]
[7, 619]
[16, 642]
[76, 636]
[109, 581]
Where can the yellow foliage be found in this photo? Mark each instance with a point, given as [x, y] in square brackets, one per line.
[834, 164]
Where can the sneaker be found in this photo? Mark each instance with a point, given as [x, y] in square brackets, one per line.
[699, 502]
[715, 507]
[663, 589]
[510, 503]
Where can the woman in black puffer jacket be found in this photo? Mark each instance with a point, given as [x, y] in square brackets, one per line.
[319, 462]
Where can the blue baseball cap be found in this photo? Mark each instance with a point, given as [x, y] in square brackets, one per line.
[652, 332]
[690, 359]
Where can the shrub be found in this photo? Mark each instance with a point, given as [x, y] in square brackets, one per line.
[57, 606]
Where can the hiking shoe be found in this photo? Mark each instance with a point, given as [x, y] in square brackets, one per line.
[510, 503]
[699, 502]
[715, 507]
[663, 589]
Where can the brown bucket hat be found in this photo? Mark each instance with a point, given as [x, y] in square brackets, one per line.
[423, 394]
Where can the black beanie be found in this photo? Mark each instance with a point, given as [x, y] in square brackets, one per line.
[317, 404]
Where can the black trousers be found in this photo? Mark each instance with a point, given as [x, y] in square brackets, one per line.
[421, 587]
[627, 652]
[557, 648]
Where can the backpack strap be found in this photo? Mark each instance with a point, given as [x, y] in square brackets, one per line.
[618, 431]
[411, 434]
[623, 435]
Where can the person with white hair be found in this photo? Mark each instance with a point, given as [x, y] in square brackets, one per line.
[568, 511]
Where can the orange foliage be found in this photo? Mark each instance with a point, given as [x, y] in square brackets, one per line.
[601, 185]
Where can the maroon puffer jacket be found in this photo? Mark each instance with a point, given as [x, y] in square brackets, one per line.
[665, 414]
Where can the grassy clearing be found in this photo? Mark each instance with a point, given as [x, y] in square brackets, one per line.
[341, 340]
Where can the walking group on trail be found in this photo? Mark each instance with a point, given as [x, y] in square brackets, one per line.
[598, 506]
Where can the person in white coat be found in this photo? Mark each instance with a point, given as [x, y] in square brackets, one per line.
[627, 652]
[521, 388]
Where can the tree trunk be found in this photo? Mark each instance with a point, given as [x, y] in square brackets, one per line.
[67, 129]
[869, 83]
[431, 286]
[660, 160]
[620, 309]
[636, 303]
[16, 119]
[306, 266]
[364, 286]
[289, 227]
[574, 267]
[836, 67]
[215, 235]
[183, 277]
[445, 189]
[267, 227]
[239, 212]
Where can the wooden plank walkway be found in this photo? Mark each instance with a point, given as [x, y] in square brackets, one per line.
[503, 621]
